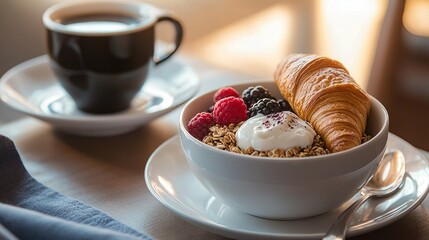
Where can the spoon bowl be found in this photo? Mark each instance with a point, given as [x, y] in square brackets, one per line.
[388, 176]
[387, 179]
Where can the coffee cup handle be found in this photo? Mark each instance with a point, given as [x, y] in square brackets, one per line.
[178, 40]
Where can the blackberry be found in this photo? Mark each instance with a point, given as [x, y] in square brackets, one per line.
[284, 105]
[252, 94]
[265, 106]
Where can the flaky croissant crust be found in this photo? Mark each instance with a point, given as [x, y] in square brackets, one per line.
[321, 91]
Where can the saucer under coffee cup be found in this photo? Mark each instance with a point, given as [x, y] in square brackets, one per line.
[102, 51]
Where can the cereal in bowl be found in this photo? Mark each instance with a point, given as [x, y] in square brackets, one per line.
[228, 123]
[323, 110]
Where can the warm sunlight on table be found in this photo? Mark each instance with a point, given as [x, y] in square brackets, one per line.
[345, 30]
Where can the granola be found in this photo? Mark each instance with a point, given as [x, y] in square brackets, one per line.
[223, 137]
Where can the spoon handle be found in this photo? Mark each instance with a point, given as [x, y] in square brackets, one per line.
[339, 228]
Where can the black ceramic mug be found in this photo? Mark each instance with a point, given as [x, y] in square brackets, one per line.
[102, 50]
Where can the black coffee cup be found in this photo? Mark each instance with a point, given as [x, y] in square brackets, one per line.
[102, 50]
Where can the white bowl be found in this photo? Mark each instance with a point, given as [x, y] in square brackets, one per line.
[283, 188]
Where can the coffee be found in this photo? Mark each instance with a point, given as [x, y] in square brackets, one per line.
[108, 23]
[102, 50]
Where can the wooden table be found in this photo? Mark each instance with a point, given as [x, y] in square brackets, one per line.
[108, 173]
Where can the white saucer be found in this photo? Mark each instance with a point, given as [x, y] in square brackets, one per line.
[32, 88]
[171, 181]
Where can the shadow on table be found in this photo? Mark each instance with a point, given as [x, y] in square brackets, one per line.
[416, 220]
[129, 151]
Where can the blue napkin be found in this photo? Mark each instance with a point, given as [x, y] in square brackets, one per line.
[30, 210]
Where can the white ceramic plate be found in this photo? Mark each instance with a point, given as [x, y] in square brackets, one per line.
[171, 181]
[32, 88]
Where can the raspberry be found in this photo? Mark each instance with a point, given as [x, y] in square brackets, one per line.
[229, 110]
[252, 94]
[225, 92]
[265, 106]
[199, 125]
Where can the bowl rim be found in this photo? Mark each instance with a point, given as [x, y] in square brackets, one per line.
[351, 151]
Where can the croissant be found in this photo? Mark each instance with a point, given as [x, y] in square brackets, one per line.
[321, 91]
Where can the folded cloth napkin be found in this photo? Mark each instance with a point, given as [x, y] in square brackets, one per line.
[30, 210]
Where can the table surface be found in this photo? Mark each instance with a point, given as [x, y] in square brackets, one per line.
[108, 173]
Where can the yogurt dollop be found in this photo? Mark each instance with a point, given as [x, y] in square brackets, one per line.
[278, 130]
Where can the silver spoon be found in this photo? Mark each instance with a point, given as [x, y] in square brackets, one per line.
[386, 180]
